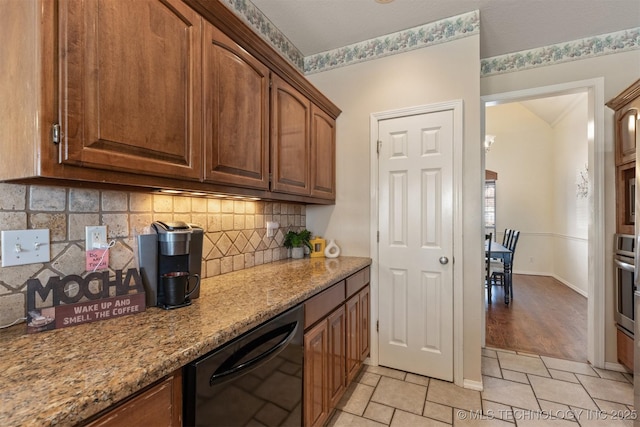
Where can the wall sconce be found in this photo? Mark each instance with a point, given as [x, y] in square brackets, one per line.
[488, 142]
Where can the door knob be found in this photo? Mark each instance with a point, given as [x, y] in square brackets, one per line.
[444, 260]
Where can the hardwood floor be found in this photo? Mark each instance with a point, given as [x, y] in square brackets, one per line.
[545, 317]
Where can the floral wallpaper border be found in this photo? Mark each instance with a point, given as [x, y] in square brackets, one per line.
[605, 44]
[442, 31]
[252, 16]
[433, 33]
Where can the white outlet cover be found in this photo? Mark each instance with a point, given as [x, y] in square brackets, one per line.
[95, 234]
[20, 247]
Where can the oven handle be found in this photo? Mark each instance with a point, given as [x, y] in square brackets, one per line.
[624, 265]
[227, 370]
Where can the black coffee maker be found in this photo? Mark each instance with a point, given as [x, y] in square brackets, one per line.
[172, 247]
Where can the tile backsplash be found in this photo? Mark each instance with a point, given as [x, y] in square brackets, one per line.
[234, 231]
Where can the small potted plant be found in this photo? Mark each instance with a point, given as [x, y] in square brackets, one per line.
[296, 241]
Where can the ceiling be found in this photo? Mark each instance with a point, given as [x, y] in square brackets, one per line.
[506, 26]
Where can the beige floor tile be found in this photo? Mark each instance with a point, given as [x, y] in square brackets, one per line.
[345, 419]
[399, 394]
[563, 376]
[497, 410]
[611, 375]
[417, 379]
[462, 418]
[601, 419]
[368, 378]
[520, 363]
[518, 377]
[451, 395]
[509, 393]
[489, 352]
[562, 392]
[380, 413]
[387, 372]
[613, 391]
[612, 407]
[438, 412]
[569, 366]
[557, 410]
[406, 419]
[543, 421]
[491, 367]
[356, 398]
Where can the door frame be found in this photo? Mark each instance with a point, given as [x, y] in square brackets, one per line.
[456, 106]
[596, 233]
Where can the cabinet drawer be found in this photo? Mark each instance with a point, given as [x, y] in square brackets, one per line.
[357, 281]
[322, 304]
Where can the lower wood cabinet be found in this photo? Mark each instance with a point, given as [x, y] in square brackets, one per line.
[336, 342]
[625, 349]
[158, 405]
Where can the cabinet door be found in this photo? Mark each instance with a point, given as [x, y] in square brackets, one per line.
[337, 377]
[290, 139]
[236, 106]
[353, 336]
[365, 310]
[626, 133]
[130, 86]
[316, 396]
[323, 154]
[160, 405]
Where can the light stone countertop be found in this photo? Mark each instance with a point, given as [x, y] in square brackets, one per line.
[64, 376]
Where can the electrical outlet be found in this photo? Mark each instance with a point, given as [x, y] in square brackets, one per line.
[96, 237]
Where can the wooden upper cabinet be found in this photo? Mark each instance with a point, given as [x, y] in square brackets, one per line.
[323, 154]
[627, 134]
[236, 113]
[130, 86]
[627, 116]
[290, 139]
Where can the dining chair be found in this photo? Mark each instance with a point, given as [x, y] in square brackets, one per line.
[487, 261]
[497, 269]
[506, 238]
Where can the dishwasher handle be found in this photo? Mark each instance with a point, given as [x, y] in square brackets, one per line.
[227, 370]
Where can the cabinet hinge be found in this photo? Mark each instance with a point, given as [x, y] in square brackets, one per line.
[378, 146]
[377, 326]
[56, 134]
[378, 236]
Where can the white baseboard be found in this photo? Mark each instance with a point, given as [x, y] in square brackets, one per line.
[613, 366]
[564, 282]
[473, 385]
[569, 285]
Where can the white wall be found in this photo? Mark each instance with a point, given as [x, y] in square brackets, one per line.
[430, 75]
[537, 163]
[521, 155]
[571, 220]
[619, 71]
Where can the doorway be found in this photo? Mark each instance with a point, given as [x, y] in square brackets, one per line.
[594, 203]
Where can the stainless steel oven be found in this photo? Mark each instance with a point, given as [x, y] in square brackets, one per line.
[624, 265]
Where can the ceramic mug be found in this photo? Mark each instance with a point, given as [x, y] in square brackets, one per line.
[176, 287]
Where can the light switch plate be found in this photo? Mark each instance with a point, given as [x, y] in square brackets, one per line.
[20, 247]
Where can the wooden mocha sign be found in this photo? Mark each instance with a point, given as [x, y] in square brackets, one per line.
[73, 300]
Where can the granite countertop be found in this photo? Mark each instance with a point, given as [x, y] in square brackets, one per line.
[64, 376]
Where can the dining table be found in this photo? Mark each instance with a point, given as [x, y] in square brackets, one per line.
[506, 255]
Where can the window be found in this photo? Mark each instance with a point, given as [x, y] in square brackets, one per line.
[490, 207]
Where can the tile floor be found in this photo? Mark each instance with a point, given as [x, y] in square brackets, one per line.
[520, 389]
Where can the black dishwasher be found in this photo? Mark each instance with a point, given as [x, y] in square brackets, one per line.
[256, 379]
